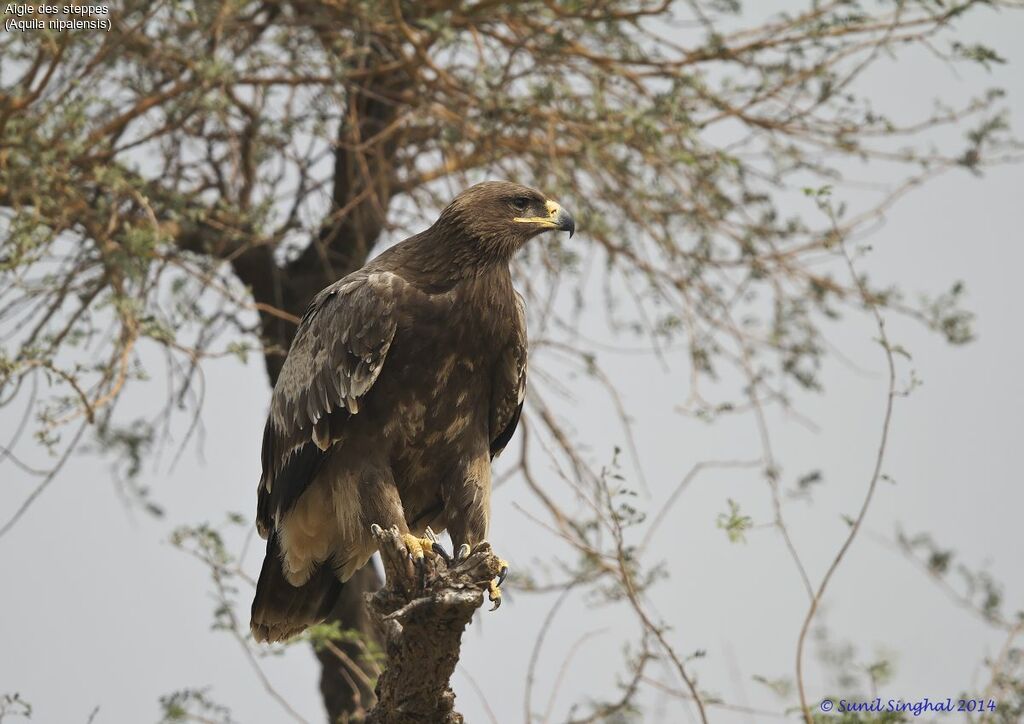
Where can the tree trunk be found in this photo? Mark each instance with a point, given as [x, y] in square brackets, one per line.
[346, 697]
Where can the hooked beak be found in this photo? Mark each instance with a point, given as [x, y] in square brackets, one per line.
[557, 218]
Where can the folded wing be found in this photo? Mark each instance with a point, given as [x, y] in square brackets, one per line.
[336, 356]
[509, 388]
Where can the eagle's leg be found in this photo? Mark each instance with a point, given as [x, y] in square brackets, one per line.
[470, 494]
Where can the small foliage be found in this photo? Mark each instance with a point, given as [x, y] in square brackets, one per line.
[190, 705]
[734, 523]
[15, 707]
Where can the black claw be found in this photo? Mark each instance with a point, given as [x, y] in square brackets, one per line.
[439, 550]
[501, 575]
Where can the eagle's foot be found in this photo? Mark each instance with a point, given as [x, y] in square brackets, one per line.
[494, 588]
[435, 545]
[419, 550]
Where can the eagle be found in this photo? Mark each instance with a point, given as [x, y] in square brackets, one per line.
[403, 382]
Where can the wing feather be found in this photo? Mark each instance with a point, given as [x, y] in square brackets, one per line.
[509, 389]
[336, 356]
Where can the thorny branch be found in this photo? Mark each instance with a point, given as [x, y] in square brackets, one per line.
[855, 526]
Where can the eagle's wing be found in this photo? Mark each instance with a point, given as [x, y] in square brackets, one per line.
[335, 358]
[509, 388]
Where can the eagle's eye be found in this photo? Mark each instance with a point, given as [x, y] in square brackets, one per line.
[520, 203]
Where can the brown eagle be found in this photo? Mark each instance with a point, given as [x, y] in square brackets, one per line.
[403, 382]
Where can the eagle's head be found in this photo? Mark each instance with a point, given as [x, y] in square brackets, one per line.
[498, 217]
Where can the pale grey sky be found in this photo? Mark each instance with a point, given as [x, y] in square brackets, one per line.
[100, 610]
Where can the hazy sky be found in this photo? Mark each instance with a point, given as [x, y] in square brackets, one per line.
[99, 609]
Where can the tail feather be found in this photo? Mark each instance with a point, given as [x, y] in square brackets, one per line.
[281, 610]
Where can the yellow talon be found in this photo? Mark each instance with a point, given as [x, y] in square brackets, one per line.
[494, 595]
[419, 548]
[494, 588]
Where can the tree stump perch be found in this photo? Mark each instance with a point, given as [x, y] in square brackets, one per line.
[422, 629]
